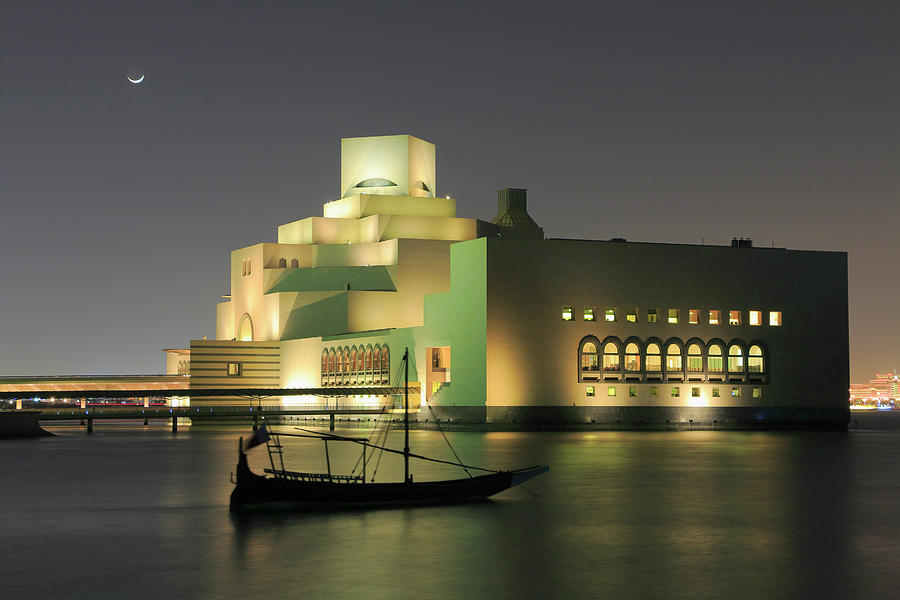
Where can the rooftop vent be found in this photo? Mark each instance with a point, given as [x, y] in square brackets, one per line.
[511, 211]
[741, 243]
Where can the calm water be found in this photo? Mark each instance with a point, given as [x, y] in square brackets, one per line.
[138, 513]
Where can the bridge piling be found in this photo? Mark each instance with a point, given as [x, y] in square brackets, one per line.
[174, 423]
[90, 424]
[255, 422]
[331, 422]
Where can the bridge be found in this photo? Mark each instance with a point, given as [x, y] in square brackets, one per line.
[337, 402]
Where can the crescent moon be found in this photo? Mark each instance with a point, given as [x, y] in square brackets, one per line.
[138, 80]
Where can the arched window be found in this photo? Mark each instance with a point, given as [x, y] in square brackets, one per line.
[282, 263]
[295, 263]
[632, 358]
[345, 365]
[590, 360]
[755, 362]
[653, 358]
[353, 369]
[611, 358]
[435, 358]
[714, 363]
[368, 364]
[245, 329]
[674, 365]
[735, 359]
[376, 364]
[324, 368]
[694, 359]
[385, 365]
[332, 366]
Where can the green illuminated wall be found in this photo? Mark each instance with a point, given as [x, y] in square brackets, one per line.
[458, 319]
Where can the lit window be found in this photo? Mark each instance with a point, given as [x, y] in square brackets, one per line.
[632, 358]
[734, 317]
[695, 392]
[567, 313]
[588, 313]
[654, 391]
[652, 316]
[632, 391]
[590, 360]
[715, 317]
[735, 392]
[631, 315]
[775, 318]
[715, 392]
[673, 358]
[757, 392]
[676, 391]
[714, 359]
[755, 360]
[654, 359]
[756, 317]
[590, 390]
[735, 359]
[693, 316]
[610, 315]
[673, 315]
[694, 359]
[234, 369]
[610, 357]
[611, 391]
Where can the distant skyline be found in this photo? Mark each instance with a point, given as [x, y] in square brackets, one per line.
[657, 122]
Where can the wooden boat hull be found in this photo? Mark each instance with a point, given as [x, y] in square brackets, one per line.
[256, 492]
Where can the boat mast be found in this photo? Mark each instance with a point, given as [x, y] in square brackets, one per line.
[406, 416]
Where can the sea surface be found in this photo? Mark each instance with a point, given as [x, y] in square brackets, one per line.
[137, 512]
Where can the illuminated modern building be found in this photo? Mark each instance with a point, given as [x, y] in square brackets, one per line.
[506, 326]
[882, 391]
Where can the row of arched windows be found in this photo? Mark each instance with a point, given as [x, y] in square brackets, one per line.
[357, 365]
[674, 360]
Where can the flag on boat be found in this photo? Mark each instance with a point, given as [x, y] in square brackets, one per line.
[261, 436]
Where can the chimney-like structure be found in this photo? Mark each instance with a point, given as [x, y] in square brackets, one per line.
[512, 218]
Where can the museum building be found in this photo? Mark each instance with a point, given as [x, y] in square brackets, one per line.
[505, 326]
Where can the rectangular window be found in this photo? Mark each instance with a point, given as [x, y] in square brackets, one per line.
[610, 315]
[567, 313]
[715, 317]
[775, 318]
[632, 315]
[757, 392]
[654, 391]
[676, 391]
[735, 392]
[693, 316]
[611, 391]
[734, 317]
[756, 317]
[695, 392]
[632, 391]
[590, 391]
[234, 369]
[652, 317]
[588, 313]
[673, 316]
[715, 392]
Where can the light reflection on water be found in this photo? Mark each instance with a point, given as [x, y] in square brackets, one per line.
[138, 513]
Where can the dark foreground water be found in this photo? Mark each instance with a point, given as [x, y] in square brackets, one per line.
[134, 512]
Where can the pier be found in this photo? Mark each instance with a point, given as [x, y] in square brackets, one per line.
[243, 403]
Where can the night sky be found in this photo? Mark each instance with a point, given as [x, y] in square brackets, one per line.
[666, 122]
